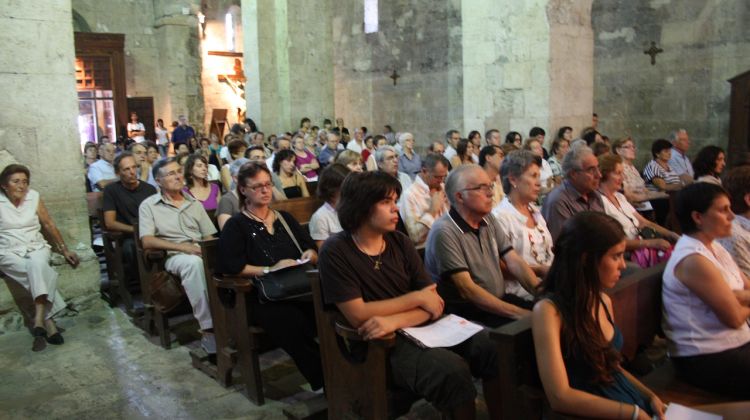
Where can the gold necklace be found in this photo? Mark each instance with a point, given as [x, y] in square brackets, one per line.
[379, 262]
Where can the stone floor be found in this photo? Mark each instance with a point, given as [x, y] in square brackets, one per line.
[108, 369]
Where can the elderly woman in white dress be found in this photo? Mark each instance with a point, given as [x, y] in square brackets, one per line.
[24, 253]
[520, 218]
[633, 223]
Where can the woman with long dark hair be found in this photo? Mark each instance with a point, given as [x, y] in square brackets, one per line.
[464, 153]
[709, 163]
[576, 341]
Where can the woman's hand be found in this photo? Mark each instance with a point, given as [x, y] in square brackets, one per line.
[71, 258]
[672, 236]
[432, 302]
[286, 262]
[377, 327]
[310, 255]
[657, 407]
[657, 244]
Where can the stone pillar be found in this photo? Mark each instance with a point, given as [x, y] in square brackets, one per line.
[527, 64]
[176, 31]
[288, 62]
[39, 127]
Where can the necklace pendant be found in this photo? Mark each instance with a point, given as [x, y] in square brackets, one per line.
[377, 265]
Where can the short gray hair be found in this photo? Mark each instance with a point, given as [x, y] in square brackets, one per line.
[515, 164]
[572, 161]
[673, 135]
[403, 137]
[380, 152]
[456, 180]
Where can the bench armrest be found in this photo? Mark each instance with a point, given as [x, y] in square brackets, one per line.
[347, 332]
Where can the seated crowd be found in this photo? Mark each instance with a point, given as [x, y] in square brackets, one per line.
[492, 233]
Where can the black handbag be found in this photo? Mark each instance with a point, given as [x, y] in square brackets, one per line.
[287, 283]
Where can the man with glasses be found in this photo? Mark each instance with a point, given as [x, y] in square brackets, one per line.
[387, 160]
[465, 250]
[425, 200]
[175, 222]
[577, 192]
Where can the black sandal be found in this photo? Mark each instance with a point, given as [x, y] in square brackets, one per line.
[40, 339]
[55, 339]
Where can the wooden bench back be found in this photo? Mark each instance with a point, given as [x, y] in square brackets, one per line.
[636, 302]
[301, 208]
[356, 386]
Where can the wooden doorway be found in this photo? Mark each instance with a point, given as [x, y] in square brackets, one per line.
[100, 82]
[739, 117]
[144, 107]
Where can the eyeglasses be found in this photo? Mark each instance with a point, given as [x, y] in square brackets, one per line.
[630, 146]
[485, 188]
[261, 187]
[173, 173]
[591, 171]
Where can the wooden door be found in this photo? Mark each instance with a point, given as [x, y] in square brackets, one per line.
[144, 107]
[739, 117]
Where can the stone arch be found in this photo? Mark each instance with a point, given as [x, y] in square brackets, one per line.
[79, 23]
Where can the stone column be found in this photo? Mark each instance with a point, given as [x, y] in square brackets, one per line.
[176, 31]
[288, 62]
[527, 64]
[39, 127]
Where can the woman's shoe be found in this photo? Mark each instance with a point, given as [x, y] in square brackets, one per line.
[55, 339]
[40, 339]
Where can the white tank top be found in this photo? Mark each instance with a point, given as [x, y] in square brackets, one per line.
[692, 328]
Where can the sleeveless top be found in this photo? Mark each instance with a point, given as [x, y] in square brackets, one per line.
[581, 376]
[299, 161]
[20, 230]
[690, 325]
[212, 201]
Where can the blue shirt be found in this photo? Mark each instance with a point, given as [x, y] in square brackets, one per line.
[411, 166]
[182, 134]
[326, 156]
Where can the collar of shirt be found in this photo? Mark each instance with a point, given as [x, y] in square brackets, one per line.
[508, 207]
[743, 221]
[578, 196]
[462, 224]
[188, 200]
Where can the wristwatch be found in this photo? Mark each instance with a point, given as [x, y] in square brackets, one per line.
[266, 270]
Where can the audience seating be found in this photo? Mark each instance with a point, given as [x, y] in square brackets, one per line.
[637, 305]
[94, 203]
[118, 283]
[301, 208]
[154, 321]
[355, 370]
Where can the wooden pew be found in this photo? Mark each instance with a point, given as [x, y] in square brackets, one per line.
[357, 384]
[301, 208]
[118, 288]
[155, 322]
[637, 306]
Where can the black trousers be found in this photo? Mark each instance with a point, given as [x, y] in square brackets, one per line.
[291, 325]
[473, 313]
[726, 372]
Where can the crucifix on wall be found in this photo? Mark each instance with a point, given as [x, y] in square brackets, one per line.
[653, 51]
[395, 76]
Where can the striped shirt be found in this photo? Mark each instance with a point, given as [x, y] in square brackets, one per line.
[654, 170]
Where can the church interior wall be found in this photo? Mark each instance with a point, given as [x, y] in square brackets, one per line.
[421, 40]
[704, 42]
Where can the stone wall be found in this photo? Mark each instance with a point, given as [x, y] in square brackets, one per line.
[704, 42]
[38, 126]
[421, 40]
[162, 58]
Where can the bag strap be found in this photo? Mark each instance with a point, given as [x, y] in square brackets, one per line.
[288, 231]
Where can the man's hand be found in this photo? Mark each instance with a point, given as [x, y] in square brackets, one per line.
[190, 248]
[432, 302]
[437, 202]
[376, 327]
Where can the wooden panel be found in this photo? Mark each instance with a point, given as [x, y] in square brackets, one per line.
[144, 107]
[739, 117]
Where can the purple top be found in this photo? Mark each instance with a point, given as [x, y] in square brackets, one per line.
[210, 203]
[299, 161]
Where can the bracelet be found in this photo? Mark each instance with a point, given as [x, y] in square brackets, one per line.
[635, 412]
[61, 247]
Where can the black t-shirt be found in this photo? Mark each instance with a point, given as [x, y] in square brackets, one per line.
[125, 202]
[246, 241]
[347, 273]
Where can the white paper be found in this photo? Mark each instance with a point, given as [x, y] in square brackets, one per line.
[297, 262]
[447, 331]
[680, 412]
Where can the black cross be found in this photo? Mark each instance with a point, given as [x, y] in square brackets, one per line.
[653, 51]
[394, 76]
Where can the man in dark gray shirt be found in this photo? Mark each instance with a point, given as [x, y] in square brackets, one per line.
[464, 251]
[577, 192]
